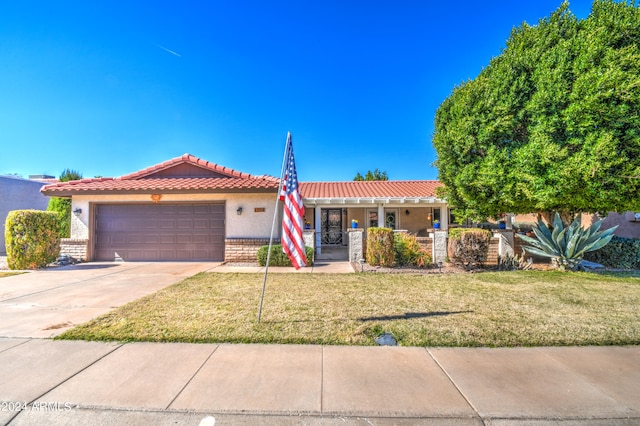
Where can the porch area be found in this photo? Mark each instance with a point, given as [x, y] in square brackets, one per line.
[328, 228]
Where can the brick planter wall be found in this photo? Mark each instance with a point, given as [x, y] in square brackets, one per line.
[494, 244]
[426, 243]
[244, 249]
[74, 247]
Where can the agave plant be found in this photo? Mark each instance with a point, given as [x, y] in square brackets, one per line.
[567, 246]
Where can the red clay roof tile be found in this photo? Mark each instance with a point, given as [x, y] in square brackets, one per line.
[143, 181]
[229, 180]
[371, 189]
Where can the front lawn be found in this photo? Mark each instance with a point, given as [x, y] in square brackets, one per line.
[8, 274]
[523, 308]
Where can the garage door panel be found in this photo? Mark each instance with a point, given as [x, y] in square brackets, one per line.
[184, 239]
[201, 223]
[200, 239]
[184, 223]
[202, 210]
[159, 232]
[116, 238]
[133, 239]
[151, 239]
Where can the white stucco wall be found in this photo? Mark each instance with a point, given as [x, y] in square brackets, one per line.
[250, 224]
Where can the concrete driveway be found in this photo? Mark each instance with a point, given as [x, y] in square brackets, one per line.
[45, 303]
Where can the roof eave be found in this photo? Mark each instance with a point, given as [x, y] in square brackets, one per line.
[372, 200]
[71, 193]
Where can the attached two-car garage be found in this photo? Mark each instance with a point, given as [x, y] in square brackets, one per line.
[156, 232]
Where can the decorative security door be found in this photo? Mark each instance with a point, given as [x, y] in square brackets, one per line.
[390, 219]
[331, 226]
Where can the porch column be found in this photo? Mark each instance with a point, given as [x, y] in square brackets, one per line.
[439, 246]
[506, 242]
[317, 219]
[381, 218]
[355, 245]
[444, 217]
[509, 221]
[309, 239]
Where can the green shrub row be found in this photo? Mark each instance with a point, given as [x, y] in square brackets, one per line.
[32, 238]
[278, 257]
[380, 247]
[620, 252]
[408, 252]
[468, 246]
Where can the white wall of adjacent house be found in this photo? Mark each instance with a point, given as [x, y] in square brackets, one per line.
[254, 221]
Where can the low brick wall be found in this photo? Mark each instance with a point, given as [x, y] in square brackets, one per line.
[426, 243]
[494, 244]
[76, 248]
[244, 249]
[517, 245]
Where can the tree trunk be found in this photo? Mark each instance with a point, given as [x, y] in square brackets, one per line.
[566, 217]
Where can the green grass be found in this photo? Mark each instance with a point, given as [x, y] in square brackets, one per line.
[8, 274]
[523, 308]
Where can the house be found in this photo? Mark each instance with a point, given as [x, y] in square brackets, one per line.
[187, 208]
[18, 194]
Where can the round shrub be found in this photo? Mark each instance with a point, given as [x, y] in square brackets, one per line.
[32, 238]
[468, 246]
[408, 252]
[278, 257]
[380, 247]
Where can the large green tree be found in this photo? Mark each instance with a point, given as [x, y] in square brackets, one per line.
[63, 205]
[552, 123]
[369, 176]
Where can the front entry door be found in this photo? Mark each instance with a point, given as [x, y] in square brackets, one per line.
[331, 226]
[390, 219]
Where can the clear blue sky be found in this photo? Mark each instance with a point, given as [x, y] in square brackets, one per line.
[108, 88]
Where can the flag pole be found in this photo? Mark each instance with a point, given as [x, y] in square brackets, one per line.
[273, 226]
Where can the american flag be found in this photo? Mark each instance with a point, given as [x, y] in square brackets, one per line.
[292, 221]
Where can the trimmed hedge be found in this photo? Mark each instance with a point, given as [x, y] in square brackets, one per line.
[623, 253]
[468, 246]
[380, 247]
[32, 238]
[278, 257]
[408, 252]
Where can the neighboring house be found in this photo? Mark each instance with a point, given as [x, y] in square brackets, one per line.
[18, 194]
[190, 209]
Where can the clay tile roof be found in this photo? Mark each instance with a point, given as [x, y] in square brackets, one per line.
[190, 159]
[188, 173]
[212, 178]
[370, 189]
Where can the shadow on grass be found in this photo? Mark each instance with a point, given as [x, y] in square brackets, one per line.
[411, 315]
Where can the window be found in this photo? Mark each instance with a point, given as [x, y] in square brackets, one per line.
[436, 215]
[373, 218]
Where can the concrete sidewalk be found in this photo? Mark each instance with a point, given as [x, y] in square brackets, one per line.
[65, 382]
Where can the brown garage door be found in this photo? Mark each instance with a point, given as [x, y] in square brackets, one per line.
[159, 232]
